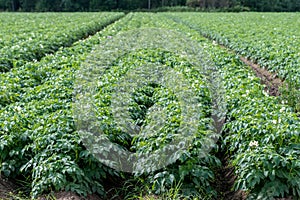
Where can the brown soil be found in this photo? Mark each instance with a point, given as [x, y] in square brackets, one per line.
[6, 187]
[8, 190]
[225, 179]
[70, 196]
[271, 81]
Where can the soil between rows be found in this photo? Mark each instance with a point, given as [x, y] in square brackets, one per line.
[270, 80]
[6, 187]
[8, 191]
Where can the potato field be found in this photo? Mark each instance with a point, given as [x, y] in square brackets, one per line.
[108, 105]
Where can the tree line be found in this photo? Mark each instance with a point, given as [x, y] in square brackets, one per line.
[108, 5]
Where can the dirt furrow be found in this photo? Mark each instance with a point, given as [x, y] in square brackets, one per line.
[271, 81]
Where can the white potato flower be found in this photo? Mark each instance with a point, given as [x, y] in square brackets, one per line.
[253, 144]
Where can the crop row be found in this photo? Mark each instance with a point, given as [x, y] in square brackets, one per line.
[154, 45]
[188, 168]
[270, 39]
[29, 37]
[38, 137]
[261, 134]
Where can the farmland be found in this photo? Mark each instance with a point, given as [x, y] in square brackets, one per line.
[90, 59]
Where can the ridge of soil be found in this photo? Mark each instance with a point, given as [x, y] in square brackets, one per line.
[267, 78]
[271, 81]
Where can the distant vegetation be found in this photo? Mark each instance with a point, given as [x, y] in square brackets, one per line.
[108, 5]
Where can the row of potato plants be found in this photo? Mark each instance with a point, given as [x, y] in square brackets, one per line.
[261, 134]
[193, 173]
[30, 36]
[14, 83]
[270, 39]
[39, 143]
[188, 168]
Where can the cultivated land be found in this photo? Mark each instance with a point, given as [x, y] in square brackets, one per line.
[257, 154]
